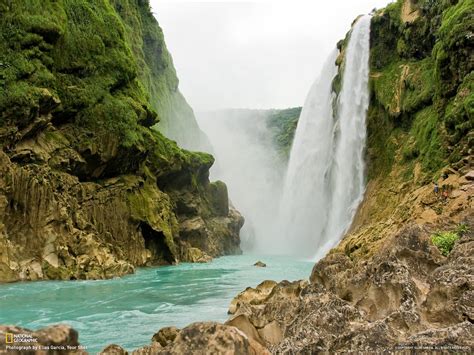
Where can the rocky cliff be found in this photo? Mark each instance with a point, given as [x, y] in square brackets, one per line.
[88, 188]
[403, 277]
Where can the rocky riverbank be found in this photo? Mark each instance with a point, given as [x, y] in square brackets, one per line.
[402, 294]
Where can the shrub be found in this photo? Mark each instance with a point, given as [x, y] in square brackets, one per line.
[445, 241]
[462, 229]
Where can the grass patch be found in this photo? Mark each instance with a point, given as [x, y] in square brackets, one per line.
[429, 147]
[445, 241]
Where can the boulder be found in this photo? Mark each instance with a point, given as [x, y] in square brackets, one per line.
[113, 349]
[242, 323]
[54, 337]
[260, 264]
[165, 335]
[213, 338]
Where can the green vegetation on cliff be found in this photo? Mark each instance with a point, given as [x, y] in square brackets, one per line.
[421, 83]
[284, 123]
[419, 122]
[445, 241]
[82, 85]
[82, 57]
[157, 74]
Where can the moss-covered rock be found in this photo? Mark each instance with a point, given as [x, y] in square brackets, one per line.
[421, 82]
[419, 120]
[89, 188]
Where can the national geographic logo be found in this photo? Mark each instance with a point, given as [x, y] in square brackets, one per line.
[11, 338]
[8, 338]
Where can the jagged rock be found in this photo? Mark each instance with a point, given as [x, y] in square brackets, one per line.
[195, 255]
[400, 296]
[165, 335]
[260, 264]
[113, 349]
[212, 338]
[242, 323]
[470, 175]
[251, 295]
[152, 349]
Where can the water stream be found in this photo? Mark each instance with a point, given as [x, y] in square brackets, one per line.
[129, 310]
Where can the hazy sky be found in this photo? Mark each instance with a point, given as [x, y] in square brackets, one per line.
[260, 54]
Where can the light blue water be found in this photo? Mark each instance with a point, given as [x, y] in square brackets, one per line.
[129, 310]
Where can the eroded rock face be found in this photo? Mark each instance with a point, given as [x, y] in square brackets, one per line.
[53, 226]
[385, 286]
[165, 335]
[208, 338]
[409, 295]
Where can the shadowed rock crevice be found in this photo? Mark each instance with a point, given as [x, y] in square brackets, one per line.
[156, 244]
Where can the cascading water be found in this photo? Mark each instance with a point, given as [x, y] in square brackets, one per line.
[325, 178]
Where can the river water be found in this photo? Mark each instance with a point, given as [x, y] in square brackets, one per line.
[129, 310]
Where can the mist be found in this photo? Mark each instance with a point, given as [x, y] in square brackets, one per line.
[247, 160]
[251, 57]
[260, 54]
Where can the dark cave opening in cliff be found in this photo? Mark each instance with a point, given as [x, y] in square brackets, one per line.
[156, 244]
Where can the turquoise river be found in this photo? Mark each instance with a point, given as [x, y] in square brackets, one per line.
[129, 310]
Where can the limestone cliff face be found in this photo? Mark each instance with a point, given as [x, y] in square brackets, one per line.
[87, 188]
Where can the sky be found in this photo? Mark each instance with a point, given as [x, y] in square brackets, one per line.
[253, 54]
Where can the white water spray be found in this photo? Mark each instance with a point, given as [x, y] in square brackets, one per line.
[247, 161]
[325, 179]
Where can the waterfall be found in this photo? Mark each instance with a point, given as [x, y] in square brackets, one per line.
[325, 179]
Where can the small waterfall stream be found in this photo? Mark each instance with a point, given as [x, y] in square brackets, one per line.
[325, 178]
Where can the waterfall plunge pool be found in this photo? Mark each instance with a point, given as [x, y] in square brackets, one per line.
[127, 311]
